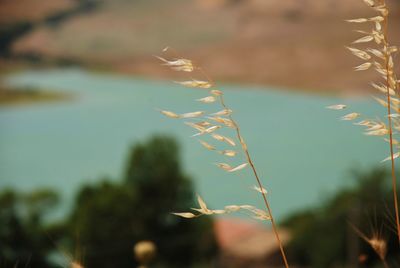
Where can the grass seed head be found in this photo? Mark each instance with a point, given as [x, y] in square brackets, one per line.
[350, 116]
[239, 167]
[379, 245]
[336, 107]
[229, 153]
[207, 145]
[170, 114]
[192, 114]
[260, 190]
[396, 155]
[209, 99]
[195, 83]
[363, 67]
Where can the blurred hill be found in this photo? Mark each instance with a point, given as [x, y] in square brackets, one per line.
[293, 43]
[30, 10]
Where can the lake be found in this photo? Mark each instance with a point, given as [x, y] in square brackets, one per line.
[301, 150]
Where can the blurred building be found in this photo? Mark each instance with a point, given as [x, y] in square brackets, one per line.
[248, 244]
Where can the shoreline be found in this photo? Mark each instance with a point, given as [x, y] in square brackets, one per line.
[13, 96]
[37, 94]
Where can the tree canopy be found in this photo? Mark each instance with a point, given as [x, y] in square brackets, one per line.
[326, 236]
[112, 216]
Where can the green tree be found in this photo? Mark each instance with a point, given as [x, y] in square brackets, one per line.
[323, 236]
[23, 233]
[112, 217]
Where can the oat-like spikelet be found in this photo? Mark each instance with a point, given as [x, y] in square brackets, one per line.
[379, 56]
[207, 130]
[224, 139]
[207, 145]
[396, 155]
[224, 112]
[376, 241]
[170, 114]
[351, 116]
[204, 210]
[195, 83]
[260, 190]
[192, 114]
[185, 115]
[230, 153]
[359, 53]
[187, 215]
[209, 99]
[336, 107]
[220, 118]
[239, 167]
[363, 67]
[178, 65]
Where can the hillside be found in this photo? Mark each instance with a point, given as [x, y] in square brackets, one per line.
[12, 11]
[297, 44]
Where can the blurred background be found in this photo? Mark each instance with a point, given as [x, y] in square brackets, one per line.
[90, 171]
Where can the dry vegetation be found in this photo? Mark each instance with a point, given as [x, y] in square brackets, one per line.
[377, 53]
[208, 125]
[291, 57]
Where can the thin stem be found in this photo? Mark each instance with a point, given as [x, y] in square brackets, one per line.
[385, 264]
[249, 160]
[394, 180]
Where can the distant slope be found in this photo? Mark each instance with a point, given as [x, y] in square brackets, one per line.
[13, 11]
[291, 43]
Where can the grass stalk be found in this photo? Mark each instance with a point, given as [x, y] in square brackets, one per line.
[253, 168]
[187, 65]
[380, 58]
[264, 196]
[393, 170]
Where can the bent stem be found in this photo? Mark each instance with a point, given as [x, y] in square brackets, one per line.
[267, 205]
[394, 180]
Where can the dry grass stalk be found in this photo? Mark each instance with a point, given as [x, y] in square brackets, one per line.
[208, 126]
[381, 59]
[376, 241]
[204, 210]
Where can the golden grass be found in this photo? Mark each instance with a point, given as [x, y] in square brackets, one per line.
[380, 57]
[376, 241]
[207, 124]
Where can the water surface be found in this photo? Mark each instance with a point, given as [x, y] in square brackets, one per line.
[302, 151]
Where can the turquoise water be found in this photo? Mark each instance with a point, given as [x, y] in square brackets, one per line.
[301, 150]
